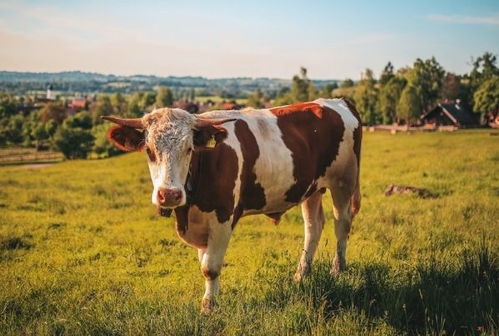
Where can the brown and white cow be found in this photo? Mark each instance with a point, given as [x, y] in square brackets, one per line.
[218, 166]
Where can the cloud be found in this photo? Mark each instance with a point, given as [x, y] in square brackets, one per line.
[465, 19]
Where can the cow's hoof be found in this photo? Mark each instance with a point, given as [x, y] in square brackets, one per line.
[207, 306]
[337, 267]
[301, 273]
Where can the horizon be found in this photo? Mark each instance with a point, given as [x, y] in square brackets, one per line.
[227, 40]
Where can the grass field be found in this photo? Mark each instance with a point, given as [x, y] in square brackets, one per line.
[82, 252]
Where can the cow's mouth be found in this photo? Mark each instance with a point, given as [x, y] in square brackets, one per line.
[164, 212]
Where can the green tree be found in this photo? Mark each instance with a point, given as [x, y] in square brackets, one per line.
[427, 78]
[13, 131]
[409, 105]
[302, 89]
[484, 68]
[53, 111]
[256, 99]
[102, 107]
[327, 91]
[365, 96]
[347, 83]
[164, 97]
[388, 98]
[102, 147]
[486, 98]
[119, 104]
[74, 138]
[8, 105]
[387, 74]
[134, 108]
[451, 87]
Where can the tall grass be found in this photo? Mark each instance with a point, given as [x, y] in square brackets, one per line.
[82, 252]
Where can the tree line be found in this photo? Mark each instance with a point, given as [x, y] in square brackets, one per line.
[398, 95]
[403, 95]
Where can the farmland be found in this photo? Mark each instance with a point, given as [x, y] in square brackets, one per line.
[83, 252]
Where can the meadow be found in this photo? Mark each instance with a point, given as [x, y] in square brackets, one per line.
[82, 252]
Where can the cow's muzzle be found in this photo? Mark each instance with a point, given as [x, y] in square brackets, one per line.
[169, 198]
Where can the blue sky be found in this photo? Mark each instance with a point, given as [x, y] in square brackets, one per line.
[332, 39]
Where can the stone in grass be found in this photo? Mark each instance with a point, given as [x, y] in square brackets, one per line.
[403, 189]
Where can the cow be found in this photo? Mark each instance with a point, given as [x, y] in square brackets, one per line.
[213, 168]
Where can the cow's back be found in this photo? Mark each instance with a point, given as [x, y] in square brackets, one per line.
[286, 153]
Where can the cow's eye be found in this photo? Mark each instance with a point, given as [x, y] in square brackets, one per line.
[189, 150]
[150, 154]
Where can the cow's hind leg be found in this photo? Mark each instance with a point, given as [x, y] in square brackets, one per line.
[313, 217]
[211, 260]
[342, 194]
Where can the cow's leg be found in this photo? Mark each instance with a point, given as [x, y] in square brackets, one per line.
[342, 222]
[212, 261]
[313, 218]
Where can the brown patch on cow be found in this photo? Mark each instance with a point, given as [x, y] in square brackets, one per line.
[213, 174]
[252, 195]
[275, 217]
[309, 107]
[210, 274]
[313, 134]
[191, 227]
[182, 216]
[205, 134]
[126, 138]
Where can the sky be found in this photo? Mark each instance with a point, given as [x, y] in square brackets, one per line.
[223, 38]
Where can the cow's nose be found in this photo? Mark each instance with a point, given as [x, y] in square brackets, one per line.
[169, 197]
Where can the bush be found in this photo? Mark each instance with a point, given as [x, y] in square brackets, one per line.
[74, 138]
[102, 147]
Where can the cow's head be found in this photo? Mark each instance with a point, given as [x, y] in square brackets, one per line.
[169, 137]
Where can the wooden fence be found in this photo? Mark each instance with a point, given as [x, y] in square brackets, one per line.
[27, 155]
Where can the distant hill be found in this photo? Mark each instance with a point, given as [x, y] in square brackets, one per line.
[90, 82]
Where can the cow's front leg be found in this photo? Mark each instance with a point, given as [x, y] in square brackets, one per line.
[212, 259]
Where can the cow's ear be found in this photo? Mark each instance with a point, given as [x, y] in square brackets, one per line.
[126, 138]
[209, 136]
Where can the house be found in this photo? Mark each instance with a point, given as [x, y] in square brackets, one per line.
[76, 105]
[449, 114]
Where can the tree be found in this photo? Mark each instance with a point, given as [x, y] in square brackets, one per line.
[302, 89]
[12, 131]
[347, 83]
[164, 97]
[102, 107]
[73, 138]
[102, 147]
[451, 87]
[388, 98]
[53, 111]
[365, 96]
[256, 99]
[7, 105]
[486, 98]
[409, 105]
[327, 91]
[426, 77]
[386, 74]
[119, 104]
[484, 68]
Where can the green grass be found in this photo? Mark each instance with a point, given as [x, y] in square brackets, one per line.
[82, 252]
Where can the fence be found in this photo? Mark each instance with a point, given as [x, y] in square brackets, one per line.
[28, 155]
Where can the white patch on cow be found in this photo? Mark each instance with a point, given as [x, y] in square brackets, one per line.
[169, 136]
[346, 154]
[274, 165]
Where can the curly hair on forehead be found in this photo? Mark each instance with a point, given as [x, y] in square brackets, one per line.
[166, 127]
